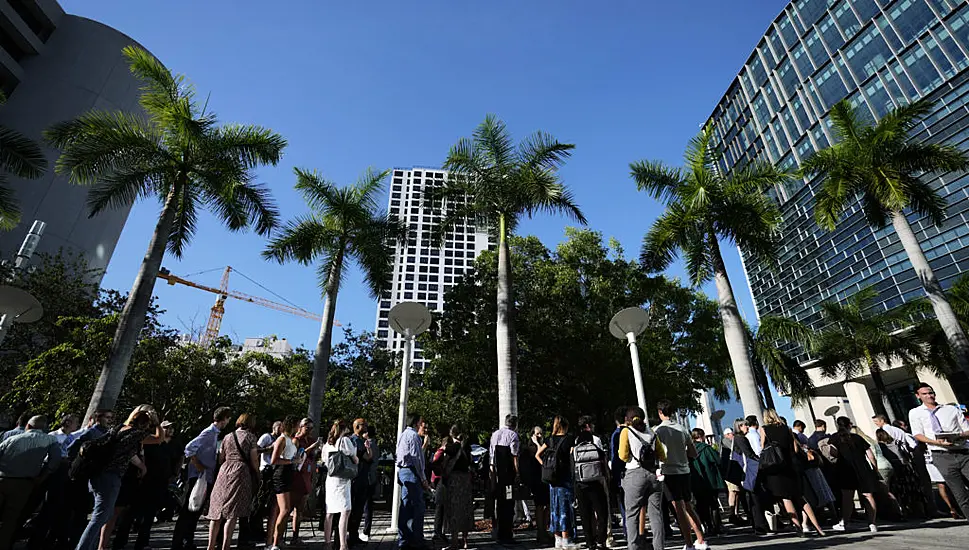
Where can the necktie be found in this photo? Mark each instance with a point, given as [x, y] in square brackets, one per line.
[936, 425]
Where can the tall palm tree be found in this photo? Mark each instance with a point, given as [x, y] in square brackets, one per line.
[346, 224]
[704, 206]
[494, 183]
[23, 158]
[177, 154]
[860, 340]
[881, 165]
[776, 364]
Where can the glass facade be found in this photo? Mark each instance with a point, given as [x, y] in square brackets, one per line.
[878, 54]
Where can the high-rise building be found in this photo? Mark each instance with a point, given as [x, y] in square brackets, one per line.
[423, 273]
[878, 54]
[53, 67]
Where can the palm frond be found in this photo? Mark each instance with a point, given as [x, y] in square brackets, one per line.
[9, 207]
[368, 188]
[540, 151]
[304, 239]
[848, 126]
[493, 142]
[372, 248]
[186, 220]
[541, 191]
[122, 187]
[659, 181]
[20, 155]
[248, 144]
[318, 193]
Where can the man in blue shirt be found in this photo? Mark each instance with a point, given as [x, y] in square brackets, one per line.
[19, 429]
[202, 455]
[66, 532]
[410, 462]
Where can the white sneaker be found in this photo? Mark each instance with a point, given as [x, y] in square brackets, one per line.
[701, 546]
[840, 526]
[364, 537]
[558, 542]
[610, 542]
[872, 527]
[805, 528]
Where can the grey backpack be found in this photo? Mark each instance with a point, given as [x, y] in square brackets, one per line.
[589, 466]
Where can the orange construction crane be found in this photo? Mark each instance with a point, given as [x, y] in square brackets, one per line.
[223, 292]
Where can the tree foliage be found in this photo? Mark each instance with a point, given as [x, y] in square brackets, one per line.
[569, 363]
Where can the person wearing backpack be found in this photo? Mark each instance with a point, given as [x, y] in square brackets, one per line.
[556, 458]
[104, 462]
[341, 466]
[590, 471]
[640, 486]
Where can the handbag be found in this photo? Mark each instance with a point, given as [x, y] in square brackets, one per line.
[196, 500]
[771, 459]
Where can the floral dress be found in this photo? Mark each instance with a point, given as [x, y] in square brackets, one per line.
[235, 486]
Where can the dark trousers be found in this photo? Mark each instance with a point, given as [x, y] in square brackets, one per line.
[440, 510]
[187, 523]
[504, 516]
[708, 508]
[368, 510]
[53, 511]
[755, 504]
[955, 470]
[141, 511]
[78, 503]
[594, 513]
[359, 488]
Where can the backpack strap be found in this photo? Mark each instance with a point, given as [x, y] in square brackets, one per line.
[641, 440]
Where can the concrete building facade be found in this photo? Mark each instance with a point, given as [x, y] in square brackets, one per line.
[423, 273]
[878, 54]
[53, 67]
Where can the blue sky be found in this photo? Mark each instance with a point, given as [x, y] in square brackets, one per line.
[385, 84]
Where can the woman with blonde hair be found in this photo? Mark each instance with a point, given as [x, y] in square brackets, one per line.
[283, 457]
[141, 428]
[337, 488]
[233, 491]
[780, 478]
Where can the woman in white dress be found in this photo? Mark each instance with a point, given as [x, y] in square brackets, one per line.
[338, 488]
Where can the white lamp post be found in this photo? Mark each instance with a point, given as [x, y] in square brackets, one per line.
[17, 305]
[407, 319]
[627, 325]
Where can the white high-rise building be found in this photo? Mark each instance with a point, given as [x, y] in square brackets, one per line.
[421, 272]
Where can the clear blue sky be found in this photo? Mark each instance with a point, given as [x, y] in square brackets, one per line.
[385, 84]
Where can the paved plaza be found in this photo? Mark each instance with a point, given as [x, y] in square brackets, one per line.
[934, 535]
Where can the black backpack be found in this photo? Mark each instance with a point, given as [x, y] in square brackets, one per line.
[555, 464]
[94, 456]
[647, 452]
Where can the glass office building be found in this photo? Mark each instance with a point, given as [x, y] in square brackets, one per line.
[878, 54]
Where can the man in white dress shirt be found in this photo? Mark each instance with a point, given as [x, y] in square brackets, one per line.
[950, 453]
[900, 436]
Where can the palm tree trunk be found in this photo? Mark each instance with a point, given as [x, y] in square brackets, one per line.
[735, 333]
[505, 331]
[943, 310]
[321, 360]
[881, 405]
[132, 319]
[764, 384]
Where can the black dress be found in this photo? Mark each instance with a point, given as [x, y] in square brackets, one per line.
[783, 482]
[853, 470]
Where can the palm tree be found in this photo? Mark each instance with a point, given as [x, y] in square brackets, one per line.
[881, 165]
[702, 207]
[345, 224]
[493, 183]
[177, 154]
[21, 157]
[776, 364]
[860, 340]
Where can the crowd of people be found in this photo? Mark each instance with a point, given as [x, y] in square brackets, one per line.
[91, 487]
[763, 477]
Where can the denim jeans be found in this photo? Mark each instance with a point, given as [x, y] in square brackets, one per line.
[105, 487]
[410, 520]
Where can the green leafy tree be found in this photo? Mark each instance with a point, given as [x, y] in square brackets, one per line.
[773, 349]
[346, 224]
[178, 154]
[577, 367]
[493, 183]
[882, 166]
[860, 340]
[703, 207]
[22, 157]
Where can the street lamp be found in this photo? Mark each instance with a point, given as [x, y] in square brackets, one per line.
[17, 305]
[407, 319]
[628, 324]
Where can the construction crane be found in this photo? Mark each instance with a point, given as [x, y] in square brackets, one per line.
[223, 292]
